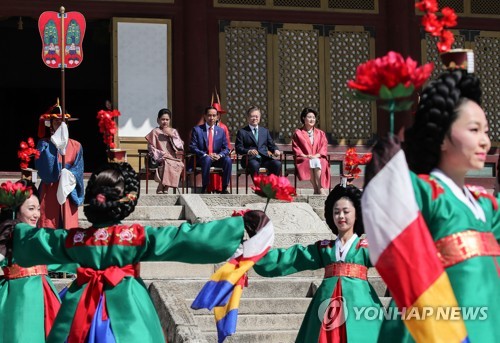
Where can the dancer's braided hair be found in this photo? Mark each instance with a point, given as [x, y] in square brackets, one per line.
[354, 195]
[437, 110]
[112, 193]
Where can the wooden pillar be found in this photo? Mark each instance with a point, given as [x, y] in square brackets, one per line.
[402, 32]
[196, 68]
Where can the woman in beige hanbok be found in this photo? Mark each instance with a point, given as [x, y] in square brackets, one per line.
[163, 144]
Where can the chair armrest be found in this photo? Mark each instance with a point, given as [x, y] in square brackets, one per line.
[143, 153]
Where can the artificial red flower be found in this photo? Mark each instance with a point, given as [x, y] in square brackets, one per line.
[437, 27]
[107, 126]
[273, 187]
[352, 160]
[449, 18]
[432, 24]
[427, 6]
[26, 152]
[31, 142]
[390, 71]
[13, 195]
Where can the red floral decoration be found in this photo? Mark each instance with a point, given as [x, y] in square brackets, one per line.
[107, 126]
[273, 187]
[13, 195]
[352, 161]
[26, 152]
[389, 77]
[436, 188]
[481, 192]
[437, 26]
[239, 213]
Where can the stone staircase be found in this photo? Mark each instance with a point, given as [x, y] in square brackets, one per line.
[271, 310]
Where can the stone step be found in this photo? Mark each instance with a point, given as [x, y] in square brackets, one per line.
[154, 223]
[176, 270]
[277, 336]
[265, 306]
[258, 288]
[150, 212]
[227, 211]
[158, 199]
[271, 287]
[249, 322]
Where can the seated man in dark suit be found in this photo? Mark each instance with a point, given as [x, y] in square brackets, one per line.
[255, 141]
[208, 142]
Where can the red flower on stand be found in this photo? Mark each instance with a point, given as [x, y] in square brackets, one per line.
[107, 126]
[26, 152]
[273, 187]
[352, 161]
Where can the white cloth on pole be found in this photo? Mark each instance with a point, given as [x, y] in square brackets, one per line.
[67, 182]
[60, 138]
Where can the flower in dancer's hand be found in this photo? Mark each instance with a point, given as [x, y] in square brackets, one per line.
[390, 77]
[273, 187]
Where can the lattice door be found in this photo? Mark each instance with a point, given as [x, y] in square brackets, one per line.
[349, 121]
[244, 72]
[283, 68]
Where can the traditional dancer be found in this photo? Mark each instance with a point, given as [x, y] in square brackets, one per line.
[108, 302]
[28, 299]
[346, 263]
[448, 139]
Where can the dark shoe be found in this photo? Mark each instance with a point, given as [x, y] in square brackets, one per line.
[203, 190]
[225, 191]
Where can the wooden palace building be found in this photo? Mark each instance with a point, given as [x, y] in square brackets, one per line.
[281, 55]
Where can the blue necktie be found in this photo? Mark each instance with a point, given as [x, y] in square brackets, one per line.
[256, 135]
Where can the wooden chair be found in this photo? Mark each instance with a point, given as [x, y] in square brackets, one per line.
[191, 169]
[145, 157]
[290, 170]
[243, 171]
[336, 159]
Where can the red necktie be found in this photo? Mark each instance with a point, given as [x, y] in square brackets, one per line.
[210, 140]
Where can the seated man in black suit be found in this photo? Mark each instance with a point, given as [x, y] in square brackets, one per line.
[209, 143]
[255, 141]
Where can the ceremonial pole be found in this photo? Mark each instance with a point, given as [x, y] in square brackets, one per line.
[57, 30]
[63, 79]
